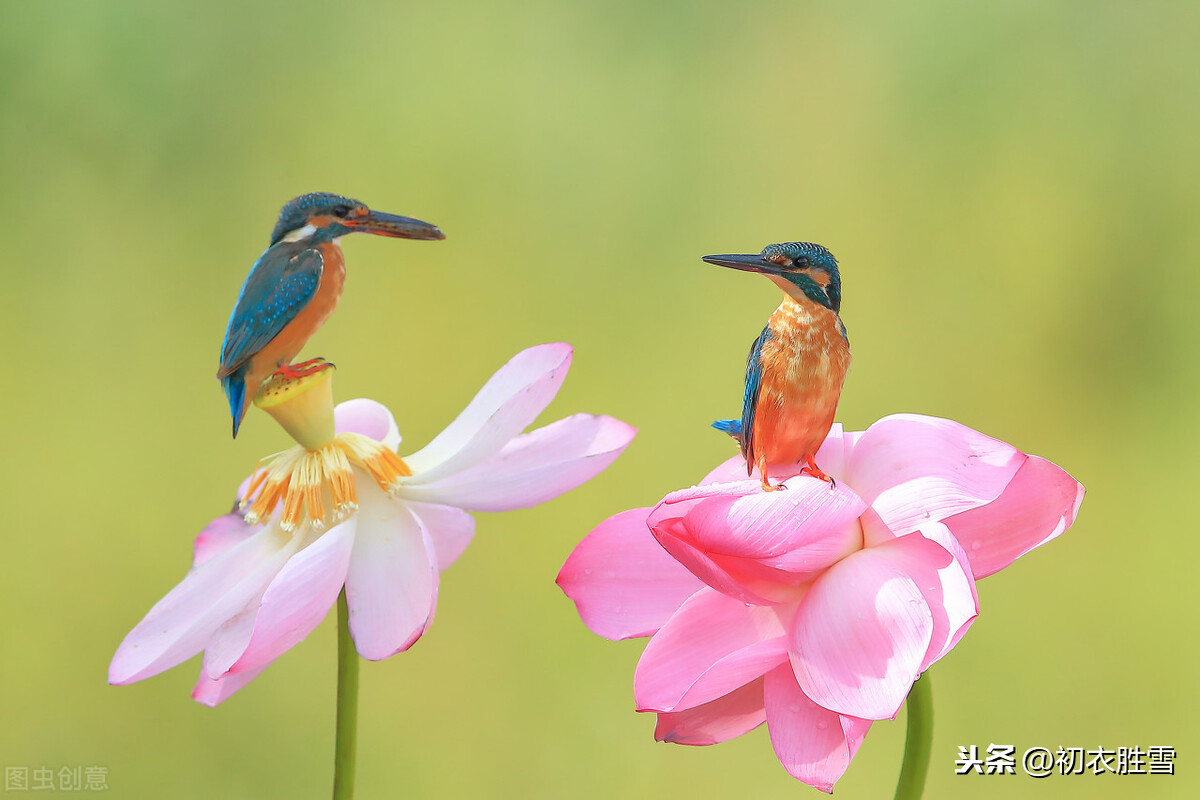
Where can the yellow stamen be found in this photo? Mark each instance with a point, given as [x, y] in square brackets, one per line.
[315, 479]
[341, 481]
[380, 463]
[301, 478]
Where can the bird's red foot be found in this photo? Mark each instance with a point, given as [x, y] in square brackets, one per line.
[762, 473]
[811, 468]
[310, 367]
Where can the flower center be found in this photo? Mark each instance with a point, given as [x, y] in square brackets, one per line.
[315, 479]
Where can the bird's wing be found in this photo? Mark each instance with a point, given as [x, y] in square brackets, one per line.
[278, 287]
[754, 370]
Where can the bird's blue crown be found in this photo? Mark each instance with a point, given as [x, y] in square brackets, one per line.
[817, 255]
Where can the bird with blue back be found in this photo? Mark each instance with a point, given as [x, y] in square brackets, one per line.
[797, 365]
[293, 288]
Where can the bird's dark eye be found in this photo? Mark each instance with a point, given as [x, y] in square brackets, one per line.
[341, 211]
[800, 262]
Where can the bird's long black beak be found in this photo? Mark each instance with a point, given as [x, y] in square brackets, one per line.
[382, 224]
[746, 263]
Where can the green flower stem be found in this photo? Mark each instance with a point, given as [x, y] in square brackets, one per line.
[347, 707]
[918, 741]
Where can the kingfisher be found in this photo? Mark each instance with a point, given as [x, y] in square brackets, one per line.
[797, 365]
[293, 287]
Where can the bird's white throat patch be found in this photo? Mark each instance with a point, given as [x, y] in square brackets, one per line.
[299, 233]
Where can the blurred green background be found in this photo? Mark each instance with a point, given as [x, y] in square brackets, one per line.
[1011, 190]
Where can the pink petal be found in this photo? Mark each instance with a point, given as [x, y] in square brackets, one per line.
[623, 583]
[940, 570]
[181, 624]
[214, 691]
[393, 579]
[730, 576]
[531, 469]
[226, 530]
[717, 721]
[450, 530]
[299, 597]
[369, 418]
[759, 546]
[712, 645]
[1041, 502]
[860, 637]
[806, 522]
[911, 468]
[504, 407]
[814, 744]
[219, 535]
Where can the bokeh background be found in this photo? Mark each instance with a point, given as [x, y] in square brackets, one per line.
[1011, 190]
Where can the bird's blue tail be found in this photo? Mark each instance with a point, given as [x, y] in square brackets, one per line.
[235, 390]
[731, 426]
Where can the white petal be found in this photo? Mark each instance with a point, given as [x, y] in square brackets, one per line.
[182, 623]
[532, 468]
[450, 530]
[391, 586]
[504, 407]
[369, 418]
[299, 597]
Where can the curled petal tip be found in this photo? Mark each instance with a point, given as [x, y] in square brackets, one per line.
[557, 355]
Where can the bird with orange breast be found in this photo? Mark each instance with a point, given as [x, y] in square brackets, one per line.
[797, 365]
[293, 288]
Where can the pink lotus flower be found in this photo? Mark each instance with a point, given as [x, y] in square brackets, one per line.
[814, 609]
[254, 592]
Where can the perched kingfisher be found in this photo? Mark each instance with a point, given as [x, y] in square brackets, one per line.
[798, 363]
[293, 287]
